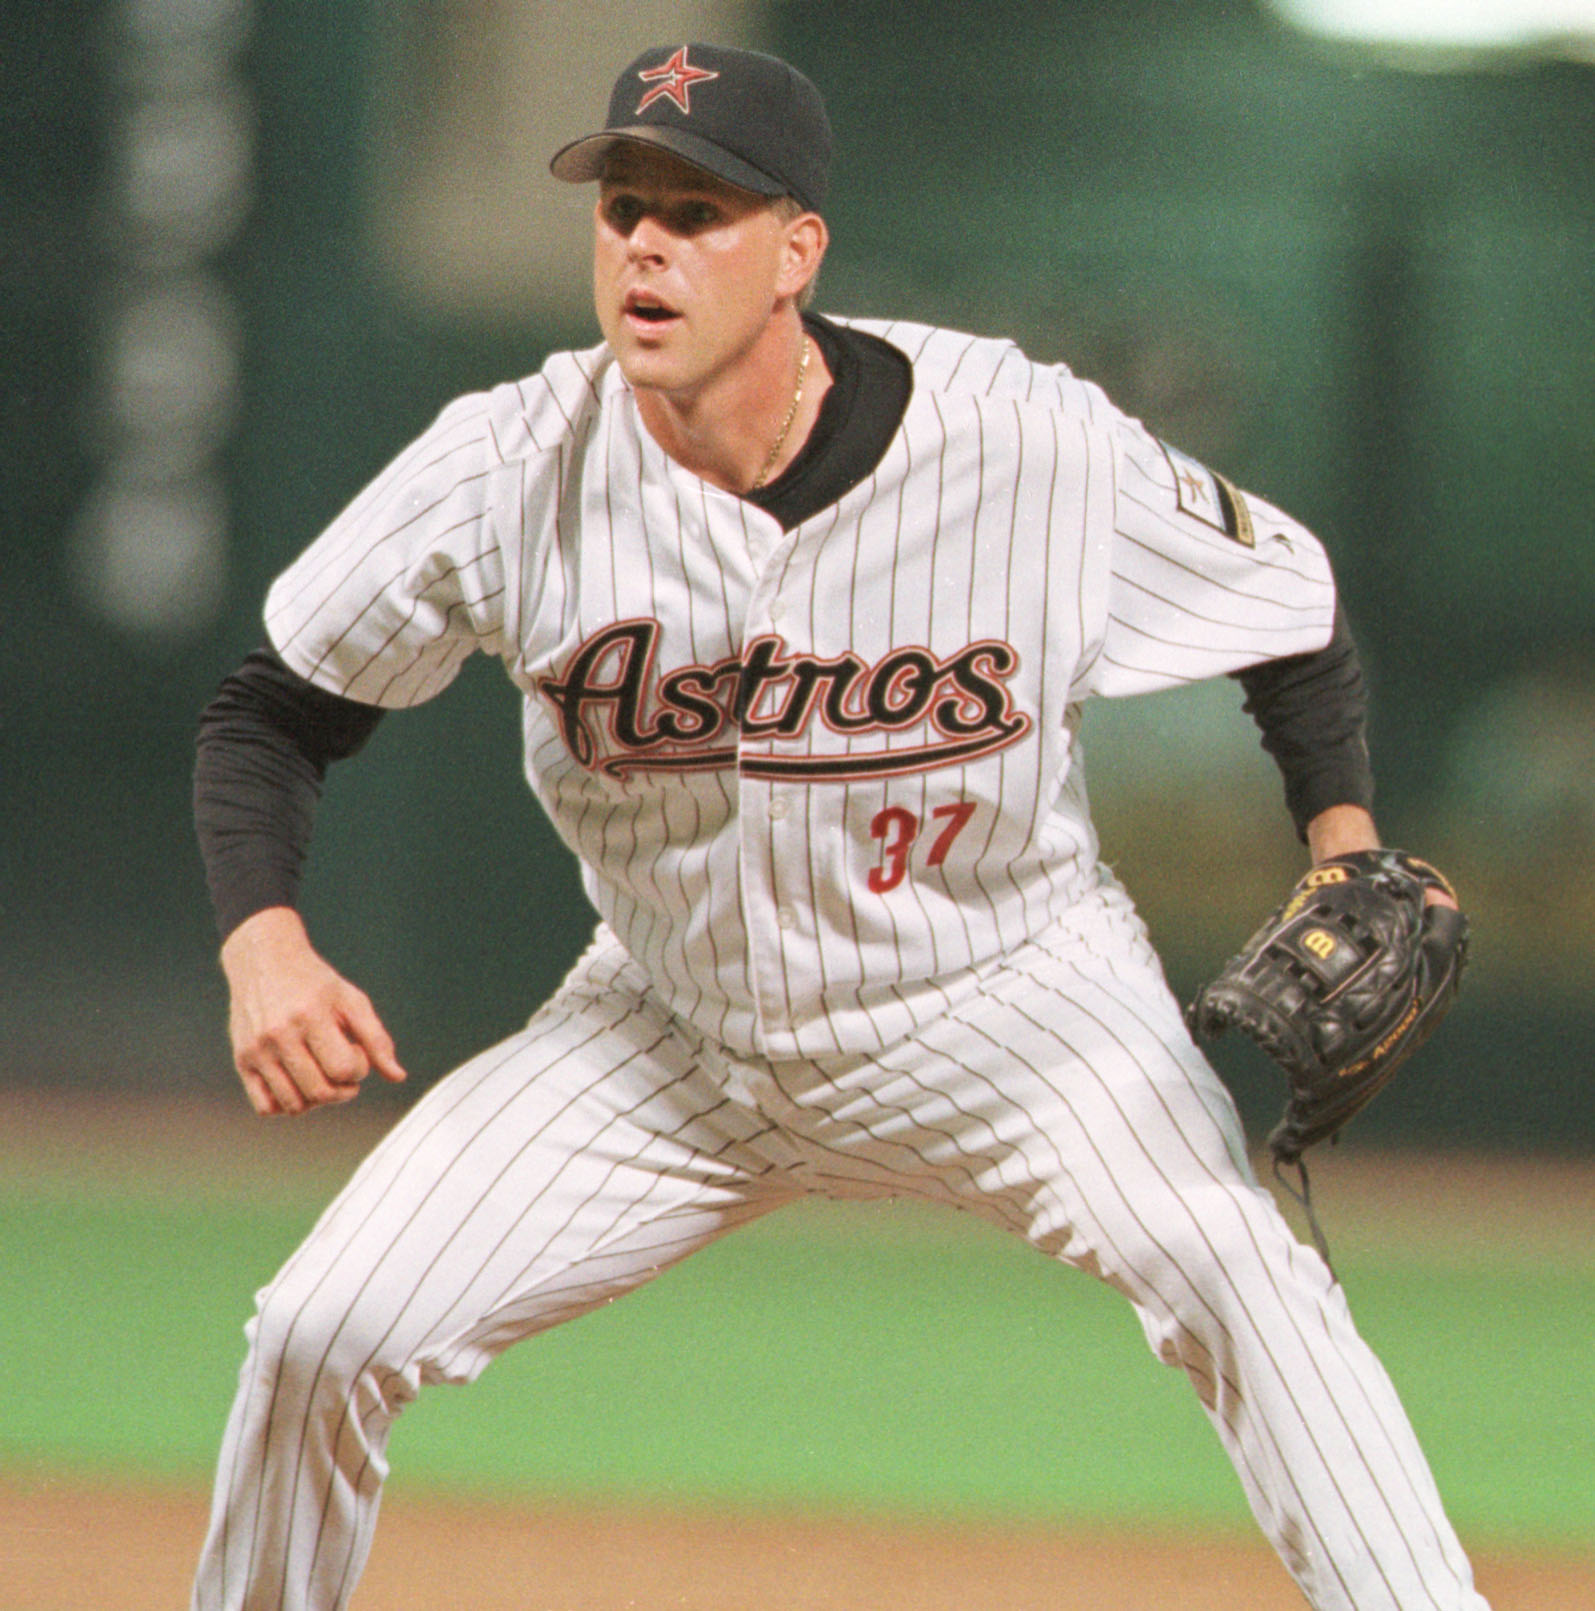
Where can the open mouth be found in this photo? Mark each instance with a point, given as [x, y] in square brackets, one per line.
[649, 309]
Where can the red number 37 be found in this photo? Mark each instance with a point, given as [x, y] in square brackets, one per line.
[898, 829]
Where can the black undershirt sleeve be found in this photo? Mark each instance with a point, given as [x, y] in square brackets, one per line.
[1313, 711]
[265, 743]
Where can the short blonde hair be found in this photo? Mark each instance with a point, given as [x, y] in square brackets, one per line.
[788, 209]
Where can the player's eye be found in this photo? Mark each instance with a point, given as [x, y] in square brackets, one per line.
[692, 216]
[623, 212]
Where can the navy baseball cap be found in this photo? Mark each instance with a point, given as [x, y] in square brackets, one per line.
[747, 118]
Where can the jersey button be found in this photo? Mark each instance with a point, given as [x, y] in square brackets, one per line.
[778, 809]
[785, 917]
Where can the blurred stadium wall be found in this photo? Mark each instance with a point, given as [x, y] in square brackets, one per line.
[248, 249]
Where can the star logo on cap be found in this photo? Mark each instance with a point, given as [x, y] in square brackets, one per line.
[674, 79]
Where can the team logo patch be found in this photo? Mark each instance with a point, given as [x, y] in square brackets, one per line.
[1210, 497]
[674, 79]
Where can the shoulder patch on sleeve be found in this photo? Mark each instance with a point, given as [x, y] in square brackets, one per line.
[1210, 497]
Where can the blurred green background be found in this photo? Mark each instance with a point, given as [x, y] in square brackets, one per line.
[248, 249]
[846, 1360]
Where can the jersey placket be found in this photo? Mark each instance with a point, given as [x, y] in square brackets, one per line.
[783, 940]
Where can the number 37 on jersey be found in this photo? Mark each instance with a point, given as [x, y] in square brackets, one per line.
[906, 840]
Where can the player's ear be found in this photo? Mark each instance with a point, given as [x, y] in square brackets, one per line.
[806, 241]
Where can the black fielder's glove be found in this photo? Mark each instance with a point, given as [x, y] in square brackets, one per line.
[1344, 982]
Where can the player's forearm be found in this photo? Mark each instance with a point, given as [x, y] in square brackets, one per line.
[253, 812]
[265, 742]
[1312, 711]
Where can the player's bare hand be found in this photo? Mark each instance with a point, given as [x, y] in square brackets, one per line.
[303, 1037]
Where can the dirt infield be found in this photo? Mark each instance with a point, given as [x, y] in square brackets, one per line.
[65, 1547]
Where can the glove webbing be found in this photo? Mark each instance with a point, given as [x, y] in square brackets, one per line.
[1305, 1198]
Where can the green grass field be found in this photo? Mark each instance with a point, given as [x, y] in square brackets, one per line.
[867, 1360]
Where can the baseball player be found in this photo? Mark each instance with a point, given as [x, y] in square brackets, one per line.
[802, 613]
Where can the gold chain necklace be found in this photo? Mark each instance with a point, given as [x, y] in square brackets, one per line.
[786, 424]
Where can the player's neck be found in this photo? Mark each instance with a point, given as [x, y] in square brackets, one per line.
[742, 427]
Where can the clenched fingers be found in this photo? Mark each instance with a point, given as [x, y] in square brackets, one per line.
[303, 1036]
[304, 1067]
[317, 1058]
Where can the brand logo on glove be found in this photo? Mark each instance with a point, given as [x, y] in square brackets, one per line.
[1320, 876]
[1385, 1046]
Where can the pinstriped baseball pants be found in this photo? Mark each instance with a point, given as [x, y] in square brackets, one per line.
[1061, 1100]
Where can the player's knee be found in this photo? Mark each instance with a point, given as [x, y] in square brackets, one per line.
[1201, 1256]
[318, 1340]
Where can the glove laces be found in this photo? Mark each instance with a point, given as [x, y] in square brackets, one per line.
[1304, 1196]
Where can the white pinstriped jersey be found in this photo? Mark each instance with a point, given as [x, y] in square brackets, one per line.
[816, 777]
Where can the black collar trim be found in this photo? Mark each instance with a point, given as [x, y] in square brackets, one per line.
[871, 384]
